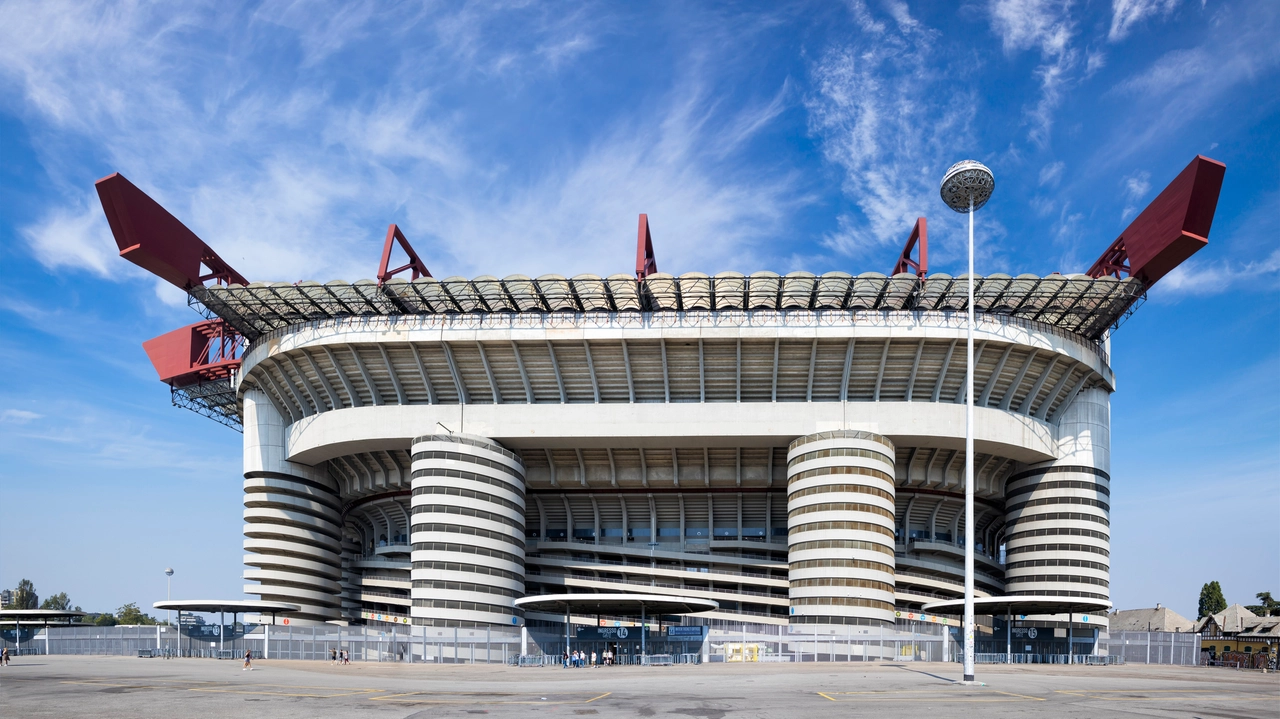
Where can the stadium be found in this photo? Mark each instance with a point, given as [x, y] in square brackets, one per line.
[788, 449]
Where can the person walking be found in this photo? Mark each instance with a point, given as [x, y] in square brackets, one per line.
[593, 659]
[4, 657]
[248, 660]
[333, 655]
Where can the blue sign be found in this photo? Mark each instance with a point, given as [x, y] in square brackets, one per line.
[610, 634]
[697, 632]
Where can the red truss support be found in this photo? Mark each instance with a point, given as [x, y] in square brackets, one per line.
[415, 264]
[202, 352]
[1171, 229]
[151, 238]
[646, 263]
[919, 233]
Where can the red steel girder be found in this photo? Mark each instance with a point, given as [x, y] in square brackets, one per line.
[419, 268]
[919, 233]
[646, 263]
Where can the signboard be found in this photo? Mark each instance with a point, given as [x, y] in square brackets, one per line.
[611, 634]
[1026, 632]
[211, 632]
[686, 634]
[379, 617]
[921, 617]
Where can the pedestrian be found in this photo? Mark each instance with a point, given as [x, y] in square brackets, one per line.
[593, 659]
[566, 659]
[333, 655]
[248, 660]
[4, 657]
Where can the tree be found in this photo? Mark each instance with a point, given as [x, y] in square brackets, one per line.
[25, 597]
[1211, 600]
[105, 620]
[1266, 606]
[130, 614]
[58, 601]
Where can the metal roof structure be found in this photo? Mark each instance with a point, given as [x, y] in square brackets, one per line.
[1083, 305]
[618, 604]
[1023, 604]
[237, 606]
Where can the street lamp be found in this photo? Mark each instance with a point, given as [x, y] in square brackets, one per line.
[168, 592]
[965, 188]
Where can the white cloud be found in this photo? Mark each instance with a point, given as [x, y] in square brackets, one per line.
[18, 416]
[887, 119]
[1136, 187]
[290, 176]
[1127, 13]
[1050, 174]
[1045, 25]
[75, 237]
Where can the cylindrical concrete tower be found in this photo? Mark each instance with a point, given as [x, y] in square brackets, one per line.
[292, 526]
[1058, 537]
[840, 502]
[467, 531]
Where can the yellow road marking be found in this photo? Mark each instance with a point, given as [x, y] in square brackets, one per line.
[913, 695]
[602, 696]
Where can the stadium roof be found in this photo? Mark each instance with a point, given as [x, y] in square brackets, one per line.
[1079, 304]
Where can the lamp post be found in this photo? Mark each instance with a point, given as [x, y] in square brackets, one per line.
[965, 188]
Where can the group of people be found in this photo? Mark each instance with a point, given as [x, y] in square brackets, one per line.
[339, 656]
[579, 659]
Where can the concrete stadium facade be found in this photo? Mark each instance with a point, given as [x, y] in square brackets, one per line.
[428, 451]
[796, 466]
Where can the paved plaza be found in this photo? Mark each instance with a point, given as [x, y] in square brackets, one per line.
[69, 686]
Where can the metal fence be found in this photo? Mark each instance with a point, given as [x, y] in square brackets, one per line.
[1176, 648]
[369, 644]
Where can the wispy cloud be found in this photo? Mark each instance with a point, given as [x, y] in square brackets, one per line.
[1051, 173]
[885, 115]
[1125, 14]
[315, 169]
[1135, 188]
[18, 416]
[1045, 25]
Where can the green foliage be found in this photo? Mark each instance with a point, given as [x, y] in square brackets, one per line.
[104, 620]
[1267, 607]
[25, 597]
[58, 601]
[130, 614]
[1211, 600]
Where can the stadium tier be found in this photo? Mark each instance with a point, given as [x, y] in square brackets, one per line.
[792, 447]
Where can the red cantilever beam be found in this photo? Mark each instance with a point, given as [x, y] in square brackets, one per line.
[646, 263]
[196, 353]
[151, 238]
[419, 268]
[1171, 229]
[905, 264]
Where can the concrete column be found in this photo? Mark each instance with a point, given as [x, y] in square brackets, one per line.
[840, 519]
[1058, 537]
[467, 531]
[292, 520]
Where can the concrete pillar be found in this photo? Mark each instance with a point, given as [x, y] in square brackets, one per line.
[292, 520]
[467, 531]
[840, 509]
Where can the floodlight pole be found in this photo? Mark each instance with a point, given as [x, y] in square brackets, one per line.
[968, 475]
[966, 187]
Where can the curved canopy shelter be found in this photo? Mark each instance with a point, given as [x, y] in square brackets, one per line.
[996, 606]
[38, 616]
[625, 604]
[233, 606]
[1025, 605]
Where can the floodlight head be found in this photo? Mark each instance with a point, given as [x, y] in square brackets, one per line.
[168, 572]
[965, 181]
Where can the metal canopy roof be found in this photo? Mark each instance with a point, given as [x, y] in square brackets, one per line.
[236, 606]
[1023, 605]
[617, 604]
[1080, 304]
[40, 616]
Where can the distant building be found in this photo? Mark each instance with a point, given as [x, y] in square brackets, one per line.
[1160, 619]
[6, 597]
[1237, 637]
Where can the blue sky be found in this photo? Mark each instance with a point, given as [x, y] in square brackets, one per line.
[525, 137]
